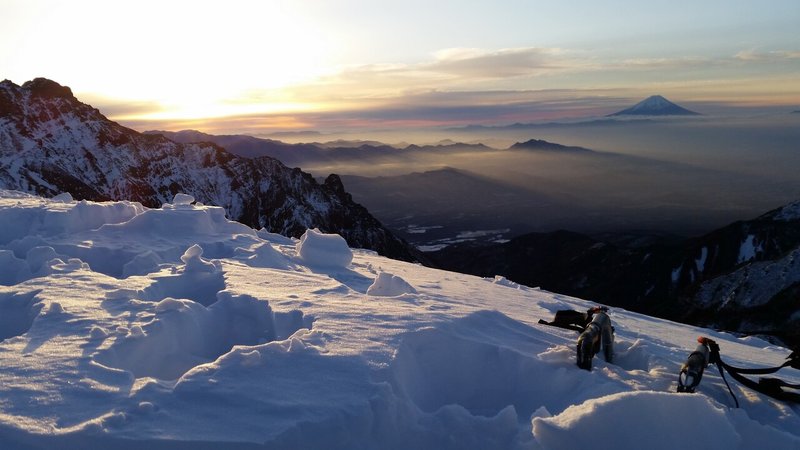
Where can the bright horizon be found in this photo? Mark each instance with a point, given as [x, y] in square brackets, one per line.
[258, 67]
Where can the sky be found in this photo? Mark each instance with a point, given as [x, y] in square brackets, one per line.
[266, 66]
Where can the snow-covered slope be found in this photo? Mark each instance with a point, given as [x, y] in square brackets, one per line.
[51, 143]
[127, 327]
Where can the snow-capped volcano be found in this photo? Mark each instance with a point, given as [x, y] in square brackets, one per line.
[51, 143]
[126, 327]
[655, 105]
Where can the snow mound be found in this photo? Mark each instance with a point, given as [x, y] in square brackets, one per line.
[64, 197]
[195, 264]
[388, 285]
[142, 264]
[184, 334]
[655, 420]
[262, 255]
[317, 249]
[178, 220]
[181, 199]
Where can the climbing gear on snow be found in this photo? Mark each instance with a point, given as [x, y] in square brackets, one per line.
[692, 371]
[570, 319]
[598, 331]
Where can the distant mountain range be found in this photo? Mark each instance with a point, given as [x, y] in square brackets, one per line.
[655, 105]
[302, 155]
[540, 145]
[52, 143]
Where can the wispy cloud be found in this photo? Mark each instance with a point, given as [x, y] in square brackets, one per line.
[466, 85]
[448, 68]
[504, 63]
[763, 56]
[662, 63]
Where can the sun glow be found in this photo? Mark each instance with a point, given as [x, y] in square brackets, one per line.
[191, 58]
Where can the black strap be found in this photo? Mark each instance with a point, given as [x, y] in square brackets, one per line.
[562, 325]
[793, 360]
[763, 371]
[722, 374]
[767, 386]
[778, 382]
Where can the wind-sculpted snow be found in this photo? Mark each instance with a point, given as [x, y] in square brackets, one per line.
[184, 334]
[198, 279]
[469, 363]
[116, 238]
[174, 328]
[17, 311]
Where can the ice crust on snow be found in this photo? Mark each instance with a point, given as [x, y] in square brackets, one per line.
[125, 327]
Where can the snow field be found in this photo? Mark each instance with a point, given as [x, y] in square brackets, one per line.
[216, 336]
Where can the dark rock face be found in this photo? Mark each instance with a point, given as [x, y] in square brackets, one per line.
[52, 143]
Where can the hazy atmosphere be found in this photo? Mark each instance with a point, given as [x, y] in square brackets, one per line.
[258, 67]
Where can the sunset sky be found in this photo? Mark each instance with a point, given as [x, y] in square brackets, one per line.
[261, 66]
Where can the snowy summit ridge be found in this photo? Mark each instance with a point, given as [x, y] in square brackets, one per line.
[655, 105]
[123, 326]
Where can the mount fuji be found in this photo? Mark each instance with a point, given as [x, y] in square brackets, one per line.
[655, 105]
